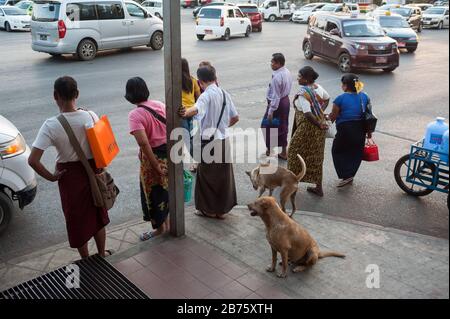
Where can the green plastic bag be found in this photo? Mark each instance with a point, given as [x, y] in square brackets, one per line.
[188, 178]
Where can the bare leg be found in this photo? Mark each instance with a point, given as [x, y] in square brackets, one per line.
[283, 153]
[84, 251]
[273, 266]
[100, 241]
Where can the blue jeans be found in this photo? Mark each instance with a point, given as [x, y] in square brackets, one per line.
[188, 125]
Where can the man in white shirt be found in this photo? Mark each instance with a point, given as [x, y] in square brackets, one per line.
[215, 190]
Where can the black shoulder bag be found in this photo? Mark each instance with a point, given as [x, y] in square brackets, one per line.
[369, 119]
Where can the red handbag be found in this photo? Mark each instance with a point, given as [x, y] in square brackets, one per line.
[371, 153]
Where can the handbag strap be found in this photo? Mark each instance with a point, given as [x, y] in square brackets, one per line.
[366, 108]
[155, 115]
[221, 113]
[76, 145]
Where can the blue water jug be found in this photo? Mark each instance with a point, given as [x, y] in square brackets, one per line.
[444, 147]
[435, 133]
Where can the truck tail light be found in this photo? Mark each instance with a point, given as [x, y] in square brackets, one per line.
[222, 21]
[61, 29]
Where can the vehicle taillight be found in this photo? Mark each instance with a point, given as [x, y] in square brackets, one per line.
[61, 29]
[222, 21]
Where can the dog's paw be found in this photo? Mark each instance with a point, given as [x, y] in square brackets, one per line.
[282, 275]
[270, 268]
[298, 269]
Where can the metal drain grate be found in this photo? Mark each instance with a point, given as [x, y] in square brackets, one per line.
[98, 280]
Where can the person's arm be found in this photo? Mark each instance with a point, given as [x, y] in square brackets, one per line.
[146, 149]
[188, 113]
[274, 97]
[197, 91]
[35, 162]
[310, 117]
[334, 113]
[234, 120]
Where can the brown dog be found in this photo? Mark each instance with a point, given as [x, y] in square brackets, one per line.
[281, 177]
[288, 238]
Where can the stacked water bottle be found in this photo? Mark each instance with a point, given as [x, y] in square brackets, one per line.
[436, 138]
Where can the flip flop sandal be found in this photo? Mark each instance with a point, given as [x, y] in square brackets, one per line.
[282, 158]
[146, 236]
[203, 214]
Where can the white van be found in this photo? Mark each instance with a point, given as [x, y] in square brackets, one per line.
[154, 7]
[84, 27]
[17, 178]
[222, 21]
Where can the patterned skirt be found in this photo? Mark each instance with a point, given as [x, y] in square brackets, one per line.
[308, 141]
[154, 195]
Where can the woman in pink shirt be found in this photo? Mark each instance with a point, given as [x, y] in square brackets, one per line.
[147, 124]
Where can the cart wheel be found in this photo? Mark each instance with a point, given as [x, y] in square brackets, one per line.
[401, 172]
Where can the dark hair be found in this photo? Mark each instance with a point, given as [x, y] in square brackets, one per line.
[350, 80]
[207, 74]
[186, 79]
[309, 74]
[279, 58]
[66, 88]
[136, 91]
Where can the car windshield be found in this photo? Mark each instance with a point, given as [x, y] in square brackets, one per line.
[249, 9]
[23, 5]
[434, 11]
[362, 28]
[46, 11]
[328, 8]
[393, 22]
[210, 13]
[402, 11]
[14, 11]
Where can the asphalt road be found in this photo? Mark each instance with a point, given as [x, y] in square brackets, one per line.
[405, 102]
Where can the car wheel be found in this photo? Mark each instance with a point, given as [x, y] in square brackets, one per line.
[87, 50]
[389, 70]
[7, 27]
[272, 18]
[307, 50]
[247, 33]
[157, 41]
[201, 37]
[441, 25]
[227, 35]
[412, 50]
[345, 63]
[6, 210]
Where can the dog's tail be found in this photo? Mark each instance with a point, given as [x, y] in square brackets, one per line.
[326, 254]
[303, 171]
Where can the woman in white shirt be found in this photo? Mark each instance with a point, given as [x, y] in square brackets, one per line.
[308, 136]
[83, 219]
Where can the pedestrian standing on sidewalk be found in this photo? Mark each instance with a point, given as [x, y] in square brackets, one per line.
[215, 189]
[276, 117]
[83, 219]
[190, 94]
[308, 134]
[348, 146]
[206, 64]
[147, 124]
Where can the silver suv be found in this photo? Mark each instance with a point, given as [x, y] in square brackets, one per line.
[84, 27]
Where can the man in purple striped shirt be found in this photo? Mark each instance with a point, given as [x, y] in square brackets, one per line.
[276, 119]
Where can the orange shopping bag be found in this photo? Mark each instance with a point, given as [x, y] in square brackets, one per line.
[103, 143]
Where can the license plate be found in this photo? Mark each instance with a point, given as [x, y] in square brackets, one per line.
[208, 32]
[43, 37]
[381, 60]
[401, 44]
[427, 22]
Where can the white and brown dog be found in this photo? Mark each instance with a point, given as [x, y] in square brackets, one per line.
[264, 177]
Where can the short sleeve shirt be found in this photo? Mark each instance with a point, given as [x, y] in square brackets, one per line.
[350, 106]
[305, 106]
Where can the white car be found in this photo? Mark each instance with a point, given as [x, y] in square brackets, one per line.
[303, 14]
[12, 18]
[339, 7]
[154, 7]
[84, 27]
[436, 17]
[17, 178]
[222, 21]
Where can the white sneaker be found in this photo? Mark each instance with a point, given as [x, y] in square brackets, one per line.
[345, 182]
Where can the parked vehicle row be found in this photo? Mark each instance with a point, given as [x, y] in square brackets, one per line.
[436, 17]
